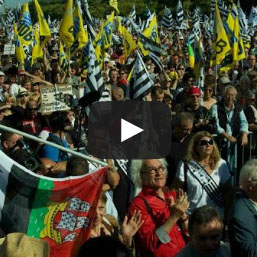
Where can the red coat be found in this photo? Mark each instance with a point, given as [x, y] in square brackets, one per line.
[147, 241]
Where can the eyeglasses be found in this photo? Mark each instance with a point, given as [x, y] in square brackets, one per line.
[153, 170]
[204, 142]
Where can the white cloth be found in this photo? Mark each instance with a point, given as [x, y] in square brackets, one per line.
[197, 196]
[14, 89]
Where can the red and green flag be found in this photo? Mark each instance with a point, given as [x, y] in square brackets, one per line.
[59, 211]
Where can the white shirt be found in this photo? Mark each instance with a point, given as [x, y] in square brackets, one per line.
[197, 196]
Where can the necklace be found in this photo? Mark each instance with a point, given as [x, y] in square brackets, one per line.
[205, 165]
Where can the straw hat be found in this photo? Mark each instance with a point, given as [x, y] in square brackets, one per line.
[20, 245]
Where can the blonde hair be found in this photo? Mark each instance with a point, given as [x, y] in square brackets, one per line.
[192, 153]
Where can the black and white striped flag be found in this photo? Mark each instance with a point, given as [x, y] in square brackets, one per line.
[167, 20]
[222, 8]
[10, 18]
[94, 78]
[196, 31]
[140, 82]
[2, 2]
[133, 14]
[196, 16]
[180, 13]
[150, 45]
[88, 20]
[242, 21]
[252, 21]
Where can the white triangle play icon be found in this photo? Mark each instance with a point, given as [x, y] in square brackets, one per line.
[128, 130]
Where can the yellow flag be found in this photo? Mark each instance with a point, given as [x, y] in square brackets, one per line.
[128, 42]
[99, 46]
[66, 27]
[25, 26]
[119, 26]
[19, 51]
[63, 60]
[152, 30]
[44, 31]
[107, 31]
[80, 35]
[241, 49]
[37, 50]
[220, 43]
[114, 4]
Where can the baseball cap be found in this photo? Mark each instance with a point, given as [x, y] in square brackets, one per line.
[194, 91]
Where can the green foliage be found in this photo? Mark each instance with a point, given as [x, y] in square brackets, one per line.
[101, 8]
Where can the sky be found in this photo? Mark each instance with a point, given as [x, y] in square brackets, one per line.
[13, 3]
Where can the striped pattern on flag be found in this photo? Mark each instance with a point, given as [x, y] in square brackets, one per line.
[133, 14]
[88, 20]
[94, 78]
[141, 81]
[167, 20]
[196, 31]
[10, 18]
[180, 13]
[222, 8]
[156, 60]
[150, 45]
[242, 21]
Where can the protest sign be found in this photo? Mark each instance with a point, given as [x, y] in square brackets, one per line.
[56, 98]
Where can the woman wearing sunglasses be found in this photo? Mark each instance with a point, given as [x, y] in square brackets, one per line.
[208, 100]
[203, 174]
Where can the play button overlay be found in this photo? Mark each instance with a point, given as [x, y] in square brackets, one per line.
[129, 130]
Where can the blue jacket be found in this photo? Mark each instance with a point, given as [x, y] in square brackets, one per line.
[243, 228]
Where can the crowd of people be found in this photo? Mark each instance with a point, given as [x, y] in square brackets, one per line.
[193, 202]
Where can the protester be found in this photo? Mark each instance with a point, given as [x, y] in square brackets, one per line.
[162, 210]
[205, 230]
[203, 174]
[242, 222]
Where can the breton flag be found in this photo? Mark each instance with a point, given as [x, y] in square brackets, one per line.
[128, 42]
[114, 4]
[222, 8]
[220, 42]
[25, 26]
[80, 35]
[140, 82]
[37, 50]
[63, 58]
[19, 50]
[66, 27]
[10, 18]
[252, 21]
[2, 2]
[89, 21]
[94, 77]
[133, 14]
[180, 13]
[242, 21]
[44, 30]
[59, 211]
[167, 20]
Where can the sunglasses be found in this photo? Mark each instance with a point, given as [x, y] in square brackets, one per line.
[32, 109]
[206, 142]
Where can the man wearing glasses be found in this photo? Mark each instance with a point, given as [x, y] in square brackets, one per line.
[33, 122]
[163, 211]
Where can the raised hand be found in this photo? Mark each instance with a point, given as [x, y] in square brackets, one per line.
[180, 206]
[130, 227]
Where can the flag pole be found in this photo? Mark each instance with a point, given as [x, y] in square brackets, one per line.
[39, 140]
